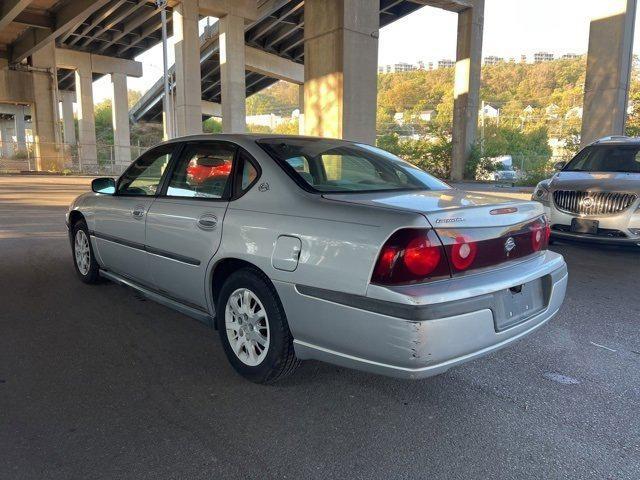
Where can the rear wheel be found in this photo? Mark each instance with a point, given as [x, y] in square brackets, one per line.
[84, 261]
[253, 328]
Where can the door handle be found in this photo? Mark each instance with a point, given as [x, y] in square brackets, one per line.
[138, 212]
[207, 222]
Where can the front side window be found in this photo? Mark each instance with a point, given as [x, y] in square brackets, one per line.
[606, 158]
[203, 172]
[143, 177]
[331, 166]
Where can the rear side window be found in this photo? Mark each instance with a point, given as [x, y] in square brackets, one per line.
[248, 173]
[202, 172]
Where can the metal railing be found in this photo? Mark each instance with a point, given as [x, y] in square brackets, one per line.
[64, 158]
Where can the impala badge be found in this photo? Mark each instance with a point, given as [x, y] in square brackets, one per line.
[509, 245]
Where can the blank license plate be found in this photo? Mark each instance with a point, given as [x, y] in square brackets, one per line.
[582, 225]
[516, 304]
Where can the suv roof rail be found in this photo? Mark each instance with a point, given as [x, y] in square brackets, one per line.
[611, 137]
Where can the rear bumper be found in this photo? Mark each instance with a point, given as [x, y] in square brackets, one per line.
[422, 337]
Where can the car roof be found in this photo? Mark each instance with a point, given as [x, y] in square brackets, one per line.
[239, 137]
[617, 140]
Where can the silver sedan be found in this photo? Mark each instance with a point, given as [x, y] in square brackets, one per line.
[300, 248]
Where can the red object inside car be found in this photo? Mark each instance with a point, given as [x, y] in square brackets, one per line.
[202, 169]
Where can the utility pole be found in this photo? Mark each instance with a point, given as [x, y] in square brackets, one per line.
[166, 102]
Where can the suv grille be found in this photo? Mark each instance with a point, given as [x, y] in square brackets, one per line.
[592, 203]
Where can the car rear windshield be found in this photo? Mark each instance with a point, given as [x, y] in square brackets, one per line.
[606, 158]
[332, 166]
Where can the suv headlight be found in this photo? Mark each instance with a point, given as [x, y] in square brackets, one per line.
[541, 193]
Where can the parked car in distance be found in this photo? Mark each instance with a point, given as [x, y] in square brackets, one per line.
[502, 170]
[312, 248]
[596, 196]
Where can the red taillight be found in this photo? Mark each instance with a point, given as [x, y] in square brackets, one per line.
[463, 252]
[409, 256]
[420, 257]
[540, 233]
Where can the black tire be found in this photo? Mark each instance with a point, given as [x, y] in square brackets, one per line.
[92, 274]
[280, 360]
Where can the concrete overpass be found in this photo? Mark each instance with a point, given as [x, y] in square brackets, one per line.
[51, 51]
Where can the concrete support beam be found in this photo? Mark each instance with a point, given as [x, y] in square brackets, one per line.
[70, 59]
[232, 74]
[70, 15]
[340, 68]
[88, 150]
[188, 110]
[211, 109]
[466, 90]
[10, 9]
[247, 9]
[273, 66]
[120, 116]
[608, 71]
[68, 124]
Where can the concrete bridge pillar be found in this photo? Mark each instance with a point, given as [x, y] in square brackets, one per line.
[5, 137]
[188, 113]
[68, 125]
[120, 117]
[466, 90]
[86, 120]
[301, 108]
[44, 108]
[608, 70]
[20, 127]
[340, 68]
[232, 74]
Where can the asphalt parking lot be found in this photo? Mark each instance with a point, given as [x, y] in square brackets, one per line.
[96, 382]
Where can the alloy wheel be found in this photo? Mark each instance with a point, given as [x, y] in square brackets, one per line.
[247, 327]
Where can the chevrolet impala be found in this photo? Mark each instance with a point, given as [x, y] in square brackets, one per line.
[299, 248]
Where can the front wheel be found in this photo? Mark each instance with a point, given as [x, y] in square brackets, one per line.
[253, 328]
[84, 261]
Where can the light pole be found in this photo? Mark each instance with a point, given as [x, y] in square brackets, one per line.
[166, 103]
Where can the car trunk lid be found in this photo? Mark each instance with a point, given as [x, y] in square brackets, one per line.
[450, 208]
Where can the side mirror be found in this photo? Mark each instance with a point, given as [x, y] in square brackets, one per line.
[559, 166]
[106, 185]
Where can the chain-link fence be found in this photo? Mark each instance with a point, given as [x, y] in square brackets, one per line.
[62, 158]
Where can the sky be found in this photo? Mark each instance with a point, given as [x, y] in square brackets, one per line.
[512, 28]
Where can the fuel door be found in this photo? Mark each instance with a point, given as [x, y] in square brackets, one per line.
[286, 253]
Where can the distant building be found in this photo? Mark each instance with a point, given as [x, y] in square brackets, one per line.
[397, 67]
[575, 112]
[489, 111]
[493, 60]
[527, 112]
[398, 118]
[540, 57]
[445, 63]
[552, 111]
[266, 120]
[426, 115]
[570, 56]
